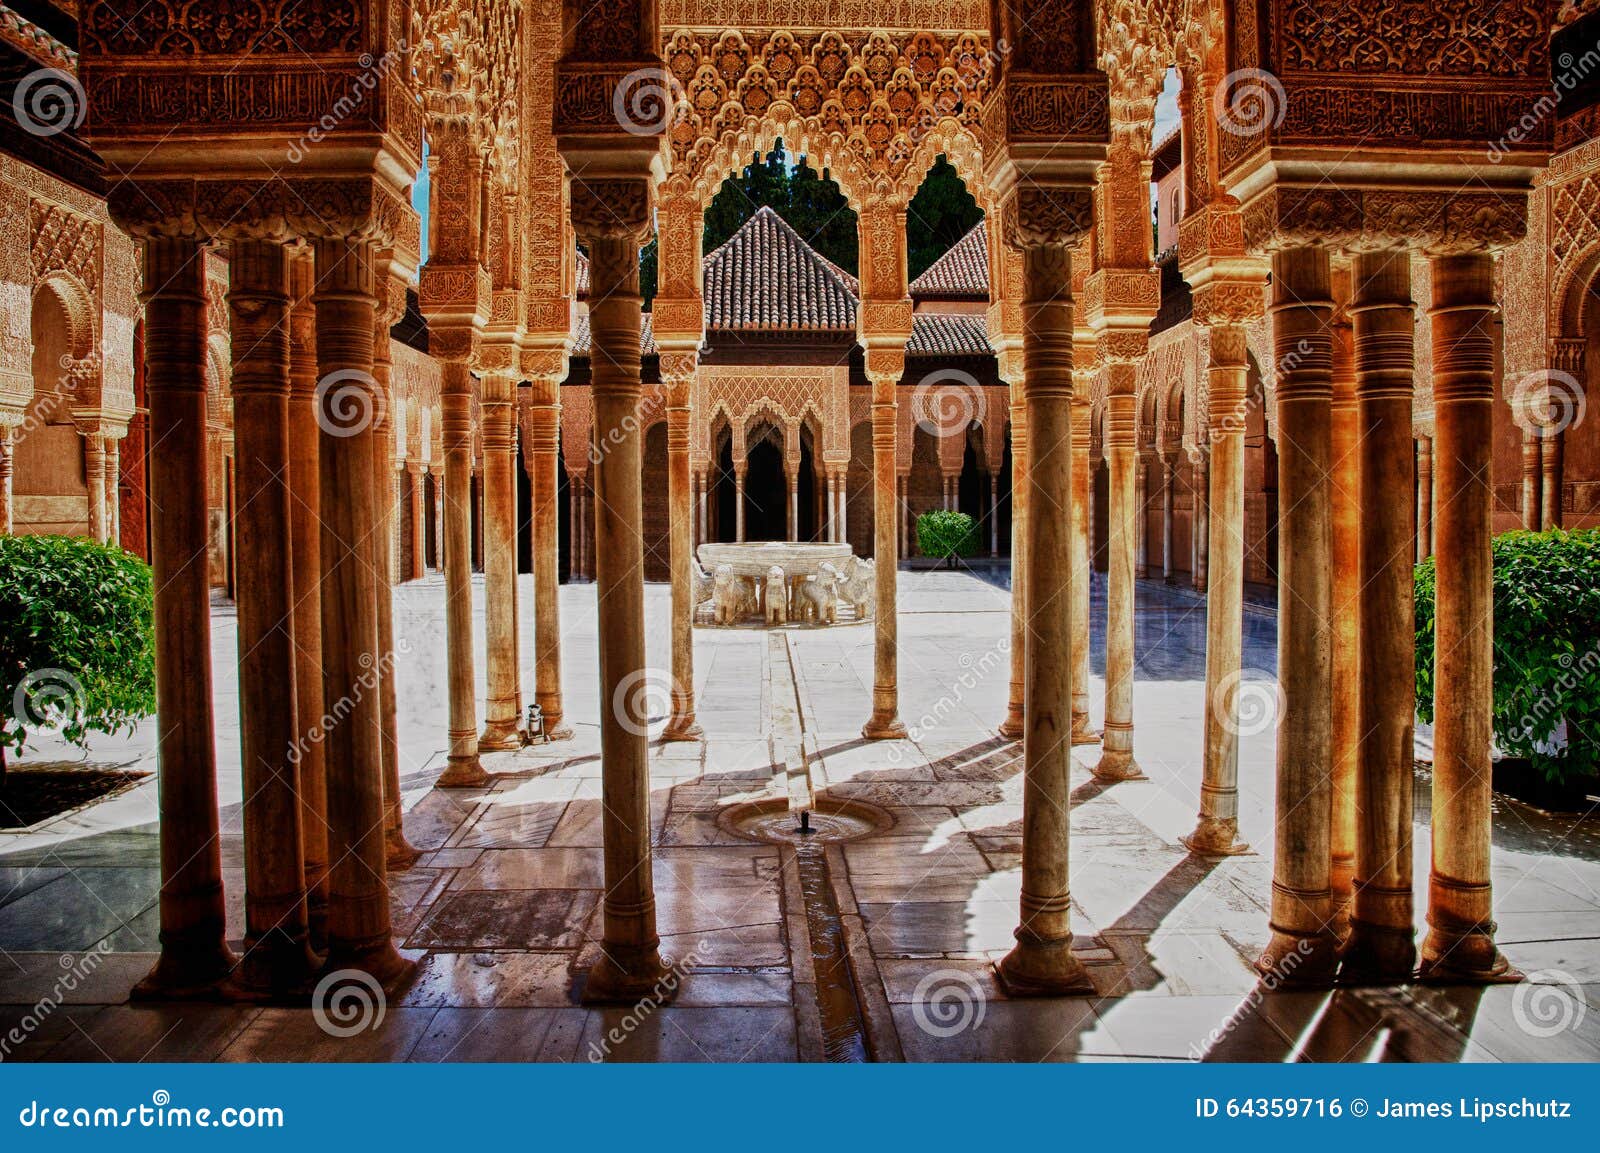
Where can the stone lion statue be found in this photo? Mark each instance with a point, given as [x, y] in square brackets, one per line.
[859, 588]
[818, 601]
[731, 596]
[777, 597]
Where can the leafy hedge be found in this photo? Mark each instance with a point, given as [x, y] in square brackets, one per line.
[1546, 647]
[947, 535]
[77, 638]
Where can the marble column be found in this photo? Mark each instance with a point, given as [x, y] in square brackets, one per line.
[1532, 488]
[1141, 524]
[682, 725]
[502, 724]
[1460, 942]
[1216, 832]
[843, 490]
[1167, 484]
[705, 522]
[7, 443]
[399, 852]
[1042, 962]
[545, 438]
[113, 474]
[463, 769]
[358, 894]
[1202, 520]
[194, 953]
[884, 724]
[1424, 498]
[1345, 543]
[630, 963]
[902, 512]
[277, 956]
[305, 547]
[1302, 945]
[1016, 703]
[415, 473]
[994, 514]
[1126, 519]
[94, 475]
[793, 525]
[738, 504]
[1082, 734]
[1381, 945]
[1551, 445]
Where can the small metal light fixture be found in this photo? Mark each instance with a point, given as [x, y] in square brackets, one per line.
[533, 731]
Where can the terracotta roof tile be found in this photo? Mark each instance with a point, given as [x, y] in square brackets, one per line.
[962, 272]
[765, 277]
[582, 276]
[948, 334]
[581, 337]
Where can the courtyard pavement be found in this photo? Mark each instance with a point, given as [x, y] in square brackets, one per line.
[781, 954]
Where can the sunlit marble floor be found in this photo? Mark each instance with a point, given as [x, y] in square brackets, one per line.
[501, 910]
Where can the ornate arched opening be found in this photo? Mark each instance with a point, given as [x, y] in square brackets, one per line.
[766, 485]
[50, 486]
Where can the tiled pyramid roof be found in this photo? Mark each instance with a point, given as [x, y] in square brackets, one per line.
[581, 337]
[948, 334]
[961, 272]
[766, 277]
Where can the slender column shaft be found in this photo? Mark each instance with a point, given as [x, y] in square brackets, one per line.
[1202, 521]
[277, 952]
[400, 853]
[358, 895]
[113, 505]
[7, 442]
[682, 726]
[630, 958]
[1126, 519]
[738, 503]
[1141, 526]
[413, 488]
[305, 547]
[1042, 960]
[1550, 452]
[1424, 498]
[1345, 536]
[1166, 519]
[1217, 830]
[844, 507]
[501, 725]
[1302, 945]
[1081, 733]
[794, 506]
[439, 499]
[463, 769]
[546, 436]
[1531, 487]
[1381, 942]
[194, 956]
[705, 523]
[94, 469]
[885, 720]
[1460, 941]
[994, 514]
[1016, 703]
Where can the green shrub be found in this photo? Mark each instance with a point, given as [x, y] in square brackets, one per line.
[947, 535]
[77, 638]
[1546, 647]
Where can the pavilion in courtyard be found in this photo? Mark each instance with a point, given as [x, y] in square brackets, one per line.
[1332, 316]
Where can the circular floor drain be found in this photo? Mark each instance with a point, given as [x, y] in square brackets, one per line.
[774, 822]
